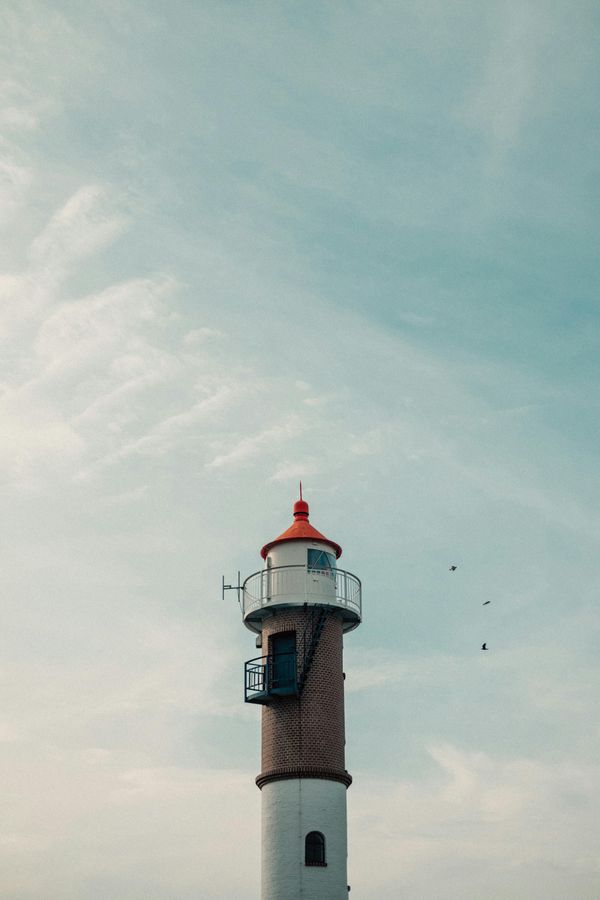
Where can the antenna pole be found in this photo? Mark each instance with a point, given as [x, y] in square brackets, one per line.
[232, 587]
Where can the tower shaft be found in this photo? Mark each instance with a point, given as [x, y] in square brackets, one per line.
[303, 778]
[304, 735]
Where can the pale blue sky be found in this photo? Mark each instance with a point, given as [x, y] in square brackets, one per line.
[247, 243]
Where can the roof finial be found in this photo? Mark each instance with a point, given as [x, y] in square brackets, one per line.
[301, 506]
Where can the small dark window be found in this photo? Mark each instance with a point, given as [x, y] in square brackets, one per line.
[314, 849]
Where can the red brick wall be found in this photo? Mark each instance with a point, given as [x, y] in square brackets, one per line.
[304, 736]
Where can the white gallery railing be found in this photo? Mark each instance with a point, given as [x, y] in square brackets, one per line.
[300, 584]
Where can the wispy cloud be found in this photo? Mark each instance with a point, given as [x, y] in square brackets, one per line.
[168, 434]
[273, 439]
[88, 221]
[15, 179]
[198, 336]
[508, 83]
[19, 110]
[91, 363]
[296, 471]
[85, 223]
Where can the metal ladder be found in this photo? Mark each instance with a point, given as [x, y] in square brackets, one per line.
[310, 640]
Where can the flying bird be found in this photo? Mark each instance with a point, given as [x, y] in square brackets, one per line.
[452, 569]
[486, 602]
[484, 646]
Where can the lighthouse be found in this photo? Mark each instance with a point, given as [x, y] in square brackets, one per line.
[300, 605]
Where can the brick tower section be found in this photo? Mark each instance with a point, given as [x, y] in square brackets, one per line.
[303, 737]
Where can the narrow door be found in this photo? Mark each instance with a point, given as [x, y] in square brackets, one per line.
[283, 663]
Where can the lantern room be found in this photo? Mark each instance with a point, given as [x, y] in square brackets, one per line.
[301, 570]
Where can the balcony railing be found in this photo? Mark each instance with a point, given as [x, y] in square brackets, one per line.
[271, 675]
[300, 584]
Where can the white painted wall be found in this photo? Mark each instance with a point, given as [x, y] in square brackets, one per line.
[290, 809]
[293, 553]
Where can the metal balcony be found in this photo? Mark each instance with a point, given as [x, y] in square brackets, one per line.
[270, 676]
[297, 585]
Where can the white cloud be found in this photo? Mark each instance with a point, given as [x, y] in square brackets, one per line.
[15, 106]
[15, 180]
[321, 400]
[14, 117]
[268, 440]
[90, 753]
[296, 471]
[171, 826]
[198, 336]
[34, 438]
[94, 360]
[165, 433]
[21, 109]
[378, 668]
[86, 223]
[412, 318]
[104, 329]
[126, 497]
[508, 822]
[511, 83]
[8, 733]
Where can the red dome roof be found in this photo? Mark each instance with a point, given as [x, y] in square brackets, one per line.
[301, 530]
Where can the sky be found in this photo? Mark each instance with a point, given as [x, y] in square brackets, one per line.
[244, 244]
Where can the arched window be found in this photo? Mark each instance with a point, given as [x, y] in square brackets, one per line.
[322, 562]
[314, 849]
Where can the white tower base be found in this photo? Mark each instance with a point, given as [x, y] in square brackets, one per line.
[291, 808]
